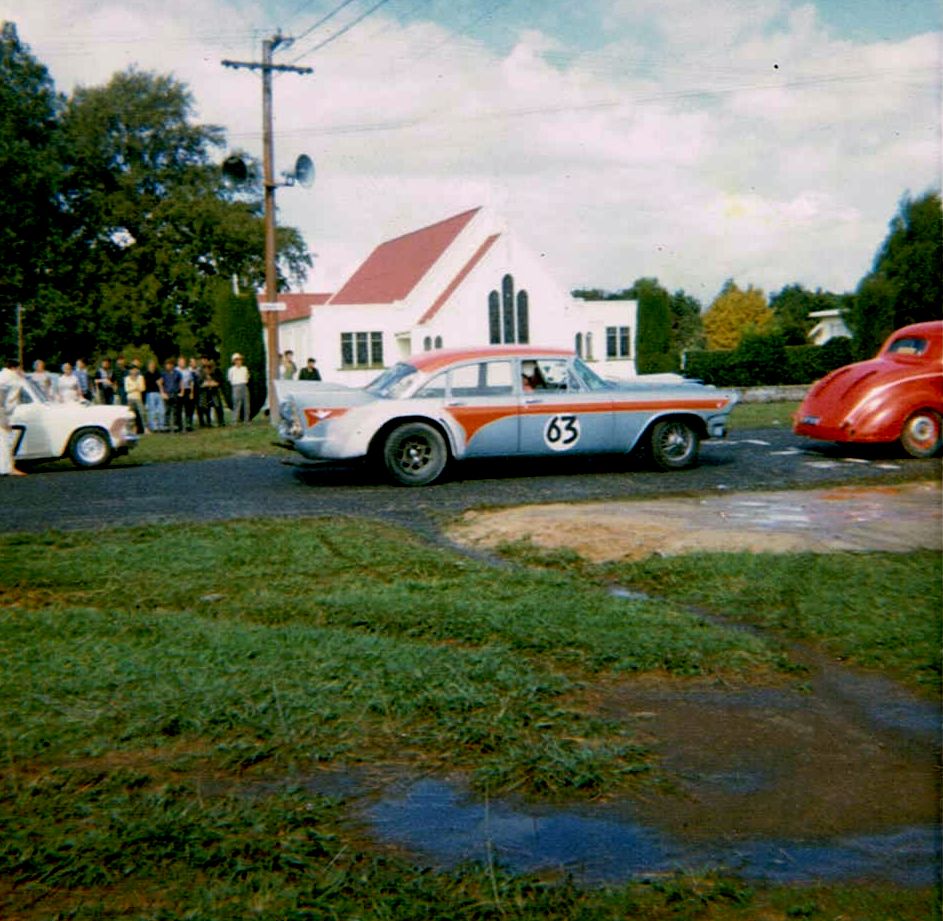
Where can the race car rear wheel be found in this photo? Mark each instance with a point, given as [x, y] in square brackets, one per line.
[673, 444]
[415, 454]
[90, 448]
[922, 435]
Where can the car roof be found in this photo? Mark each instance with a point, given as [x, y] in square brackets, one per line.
[433, 361]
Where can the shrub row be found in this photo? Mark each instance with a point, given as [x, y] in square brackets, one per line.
[767, 361]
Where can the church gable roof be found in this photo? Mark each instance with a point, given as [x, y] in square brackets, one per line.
[458, 279]
[395, 267]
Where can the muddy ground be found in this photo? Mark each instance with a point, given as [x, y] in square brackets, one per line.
[896, 518]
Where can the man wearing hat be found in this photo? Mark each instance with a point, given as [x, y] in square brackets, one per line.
[238, 377]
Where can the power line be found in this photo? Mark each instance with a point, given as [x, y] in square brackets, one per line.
[342, 31]
[323, 19]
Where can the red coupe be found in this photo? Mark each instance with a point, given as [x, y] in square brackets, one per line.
[897, 396]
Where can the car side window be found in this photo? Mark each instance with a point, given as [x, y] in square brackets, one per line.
[435, 388]
[482, 379]
[555, 374]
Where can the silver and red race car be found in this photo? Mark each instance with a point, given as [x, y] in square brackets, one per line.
[436, 407]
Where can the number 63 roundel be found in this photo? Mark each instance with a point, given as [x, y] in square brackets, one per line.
[562, 432]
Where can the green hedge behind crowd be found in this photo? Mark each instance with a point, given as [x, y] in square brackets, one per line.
[767, 360]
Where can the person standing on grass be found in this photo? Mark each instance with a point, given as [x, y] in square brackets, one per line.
[152, 398]
[310, 372]
[238, 377]
[105, 382]
[121, 372]
[134, 388]
[211, 393]
[67, 387]
[81, 372]
[287, 369]
[169, 384]
[187, 391]
[11, 382]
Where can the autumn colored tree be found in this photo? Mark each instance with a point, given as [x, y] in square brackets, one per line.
[734, 313]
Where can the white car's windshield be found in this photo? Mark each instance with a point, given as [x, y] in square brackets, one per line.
[34, 390]
[394, 382]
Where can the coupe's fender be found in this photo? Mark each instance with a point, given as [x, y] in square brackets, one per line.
[881, 414]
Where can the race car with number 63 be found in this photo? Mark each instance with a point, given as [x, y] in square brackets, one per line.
[434, 408]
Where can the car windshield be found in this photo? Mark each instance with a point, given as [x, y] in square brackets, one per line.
[588, 378]
[34, 390]
[393, 382]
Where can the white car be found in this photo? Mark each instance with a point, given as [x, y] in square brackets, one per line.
[90, 435]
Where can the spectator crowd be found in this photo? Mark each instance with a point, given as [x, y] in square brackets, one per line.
[164, 399]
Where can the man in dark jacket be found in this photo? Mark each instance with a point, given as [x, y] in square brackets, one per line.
[310, 372]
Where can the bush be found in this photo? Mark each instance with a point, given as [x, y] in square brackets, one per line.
[767, 361]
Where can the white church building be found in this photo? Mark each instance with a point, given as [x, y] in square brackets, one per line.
[464, 281]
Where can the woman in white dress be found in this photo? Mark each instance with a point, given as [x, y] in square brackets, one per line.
[68, 389]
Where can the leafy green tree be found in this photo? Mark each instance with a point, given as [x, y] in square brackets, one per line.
[733, 313]
[687, 325]
[905, 284]
[241, 330]
[31, 170]
[653, 327]
[151, 223]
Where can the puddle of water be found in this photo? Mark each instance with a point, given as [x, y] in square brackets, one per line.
[439, 821]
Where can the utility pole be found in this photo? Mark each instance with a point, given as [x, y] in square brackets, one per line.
[268, 180]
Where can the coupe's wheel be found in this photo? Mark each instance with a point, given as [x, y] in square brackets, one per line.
[415, 454]
[90, 448]
[922, 435]
[673, 444]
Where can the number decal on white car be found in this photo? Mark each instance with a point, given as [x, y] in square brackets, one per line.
[562, 432]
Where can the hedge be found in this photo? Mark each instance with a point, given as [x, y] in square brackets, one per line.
[766, 361]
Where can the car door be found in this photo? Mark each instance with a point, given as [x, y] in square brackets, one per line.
[481, 399]
[558, 414]
[31, 423]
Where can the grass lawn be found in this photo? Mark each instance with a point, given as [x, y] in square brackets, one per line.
[762, 415]
[161, 686]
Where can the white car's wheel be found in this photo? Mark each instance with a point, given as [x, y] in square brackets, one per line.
[415, 454]
[673, 444]
[90, 448]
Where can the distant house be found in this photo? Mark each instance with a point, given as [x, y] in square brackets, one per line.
[463, 281]
[830, 325]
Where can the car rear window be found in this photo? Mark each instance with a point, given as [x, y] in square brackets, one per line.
[908, 345]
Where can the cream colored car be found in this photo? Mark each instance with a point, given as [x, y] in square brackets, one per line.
[88, 434]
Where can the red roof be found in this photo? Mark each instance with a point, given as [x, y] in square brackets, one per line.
[462, 275]
[299, 305]
[394, 268]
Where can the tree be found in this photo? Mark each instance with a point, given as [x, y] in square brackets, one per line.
[905, 284]
[29, 164]
[734, 313]
[150, 222]
[687, 326]
[241, 330]
[653, 327]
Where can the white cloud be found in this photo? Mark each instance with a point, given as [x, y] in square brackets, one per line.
[743, 139]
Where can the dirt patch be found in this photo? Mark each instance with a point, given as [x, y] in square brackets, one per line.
[898, 518]
[750, 761]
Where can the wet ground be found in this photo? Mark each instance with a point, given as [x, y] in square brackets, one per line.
[902, 517]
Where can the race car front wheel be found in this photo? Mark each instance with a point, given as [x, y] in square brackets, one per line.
[415, 454]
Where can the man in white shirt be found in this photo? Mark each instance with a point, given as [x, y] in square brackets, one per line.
[238, 377]
[11, 382]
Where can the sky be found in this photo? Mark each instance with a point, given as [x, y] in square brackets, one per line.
[768, 141]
